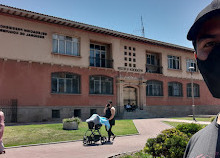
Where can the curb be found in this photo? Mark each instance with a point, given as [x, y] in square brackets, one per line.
[29, 145]
[70, 141]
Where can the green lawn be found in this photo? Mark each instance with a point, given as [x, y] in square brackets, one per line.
[174, 124]
[190, 118]
[45, 133]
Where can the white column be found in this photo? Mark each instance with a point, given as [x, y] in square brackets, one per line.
[142, 95]
[119, 94]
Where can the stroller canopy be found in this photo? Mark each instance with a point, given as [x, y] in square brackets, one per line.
[96, 119]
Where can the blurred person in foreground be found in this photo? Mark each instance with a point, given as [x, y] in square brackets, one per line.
[205, 36]
[2, 127]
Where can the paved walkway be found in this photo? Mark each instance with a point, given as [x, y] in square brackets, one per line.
[147, 128]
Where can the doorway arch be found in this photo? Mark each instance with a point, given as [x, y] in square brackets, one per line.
[130, 95]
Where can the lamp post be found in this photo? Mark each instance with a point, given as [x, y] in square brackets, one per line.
[191, 68]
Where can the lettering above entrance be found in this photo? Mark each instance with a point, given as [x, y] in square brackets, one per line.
[130, 69]
[22, 31]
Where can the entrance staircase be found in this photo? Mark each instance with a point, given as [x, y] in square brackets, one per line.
[137, 114]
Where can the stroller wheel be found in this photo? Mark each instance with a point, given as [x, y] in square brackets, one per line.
[103, 140]
[85, 140]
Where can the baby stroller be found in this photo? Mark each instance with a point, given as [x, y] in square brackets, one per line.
[93, 134]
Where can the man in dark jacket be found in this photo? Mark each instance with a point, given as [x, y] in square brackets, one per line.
[205, 36]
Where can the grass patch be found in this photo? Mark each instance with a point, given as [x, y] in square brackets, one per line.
[174, 124]
[46, 133]
[191, 119]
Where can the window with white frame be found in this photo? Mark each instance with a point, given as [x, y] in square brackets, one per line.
[195, 90]
[191, 63]
[65, 45]
[99, 56]
[154, 88]
[151, 59]
[62, 82]
[175, 89]
[173, 62]
[100, 85]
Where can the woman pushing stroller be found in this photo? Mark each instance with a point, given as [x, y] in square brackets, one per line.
[109, 112]
[95, 122]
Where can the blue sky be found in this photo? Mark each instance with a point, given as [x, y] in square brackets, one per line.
[164, 20]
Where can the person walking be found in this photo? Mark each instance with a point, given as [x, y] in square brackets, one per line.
[2, 127]
[205, 36]
[109, 112]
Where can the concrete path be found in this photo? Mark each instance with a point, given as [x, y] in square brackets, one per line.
[147, 128]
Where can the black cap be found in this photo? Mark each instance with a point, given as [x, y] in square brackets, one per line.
[211, 10]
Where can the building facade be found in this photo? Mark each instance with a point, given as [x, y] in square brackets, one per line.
[52, 68]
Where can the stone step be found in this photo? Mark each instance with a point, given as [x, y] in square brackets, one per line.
[137, 114]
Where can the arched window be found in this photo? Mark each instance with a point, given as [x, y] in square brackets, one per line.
[175, 89]
[195, 88]
[62, 82]
[100, 85]
[154, 88]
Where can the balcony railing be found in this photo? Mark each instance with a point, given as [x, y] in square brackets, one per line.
[154, 69]
[100, 62]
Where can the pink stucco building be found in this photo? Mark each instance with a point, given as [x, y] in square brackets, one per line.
[52, 68]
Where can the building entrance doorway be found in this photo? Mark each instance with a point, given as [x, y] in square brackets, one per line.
[130, 95]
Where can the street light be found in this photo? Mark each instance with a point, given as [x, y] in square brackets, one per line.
[191, 68]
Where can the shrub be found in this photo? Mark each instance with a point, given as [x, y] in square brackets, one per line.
[189, 128]
[73, 119]
[126, 156]
[139, 154]
[170, 144]
[212, 118]
[151, 147]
